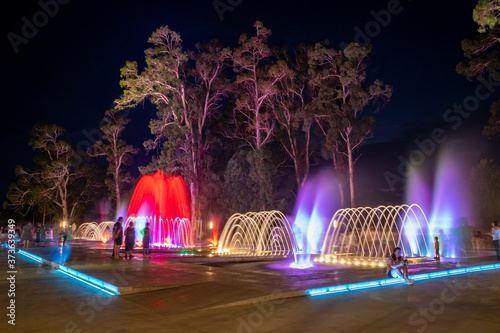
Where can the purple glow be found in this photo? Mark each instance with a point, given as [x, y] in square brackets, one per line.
[446, 197]
[316, 204]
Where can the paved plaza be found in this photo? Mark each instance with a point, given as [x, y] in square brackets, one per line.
[171, 293]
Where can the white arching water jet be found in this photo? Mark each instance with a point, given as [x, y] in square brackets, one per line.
[367, 232]
[95, 232]
[257, 233]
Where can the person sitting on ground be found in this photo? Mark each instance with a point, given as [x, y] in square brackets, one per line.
[397, 266]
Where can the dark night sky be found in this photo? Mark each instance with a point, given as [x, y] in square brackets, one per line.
[68, 73]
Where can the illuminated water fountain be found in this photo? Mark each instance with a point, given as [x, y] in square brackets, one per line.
[262, 233]
[445, 193]
[316, 203]
[94, 232]
[163, 202]
[357, 234]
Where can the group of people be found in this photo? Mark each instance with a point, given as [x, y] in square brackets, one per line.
[27, 235]
[129, 234]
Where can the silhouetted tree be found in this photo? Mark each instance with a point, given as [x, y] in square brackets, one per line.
[117, 153]
[483, 54]
[187, 97]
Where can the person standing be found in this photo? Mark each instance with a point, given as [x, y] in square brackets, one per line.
[118, 238]
[495, 233]
[63, 234]
[27, 235]
[42, 235]
[129, 240]
[38, 230]
[146, 237]
[436, 247]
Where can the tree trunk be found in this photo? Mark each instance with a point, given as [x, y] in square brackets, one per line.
[340, 184]
[117, 189]
[350, 171]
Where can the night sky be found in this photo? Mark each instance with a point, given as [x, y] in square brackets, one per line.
[68, 73]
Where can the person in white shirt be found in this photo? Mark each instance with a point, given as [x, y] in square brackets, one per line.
[495, 233]
[397, 266]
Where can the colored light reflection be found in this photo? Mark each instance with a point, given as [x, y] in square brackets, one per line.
[316, 204]
[163, 202]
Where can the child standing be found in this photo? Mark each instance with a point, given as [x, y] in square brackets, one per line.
[436, 247]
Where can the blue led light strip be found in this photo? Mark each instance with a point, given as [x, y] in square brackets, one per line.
[90, 280]
[382, 283]
[90, 284]
[106, 287]
[31, 256]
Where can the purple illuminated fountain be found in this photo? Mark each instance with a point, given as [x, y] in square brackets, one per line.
[445, 195]
[317, 202]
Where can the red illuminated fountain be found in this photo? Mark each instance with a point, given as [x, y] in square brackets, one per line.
[163, 202]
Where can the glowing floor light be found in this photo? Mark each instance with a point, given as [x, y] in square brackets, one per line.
[31, 256]
[93, 282]
[385, 282]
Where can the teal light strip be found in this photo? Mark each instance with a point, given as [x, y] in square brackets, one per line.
[90, 280]
[92, 285]
[106, 287]
[31, 256]
[382, 283]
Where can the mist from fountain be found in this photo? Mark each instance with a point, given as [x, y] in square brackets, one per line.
[444, 191]
[163, 202]
[317, 201]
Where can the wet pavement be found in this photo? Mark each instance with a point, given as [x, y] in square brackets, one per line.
[192, 294]
[167, 270]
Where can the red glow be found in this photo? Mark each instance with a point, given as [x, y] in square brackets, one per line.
[162, 201]
[216, 222]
